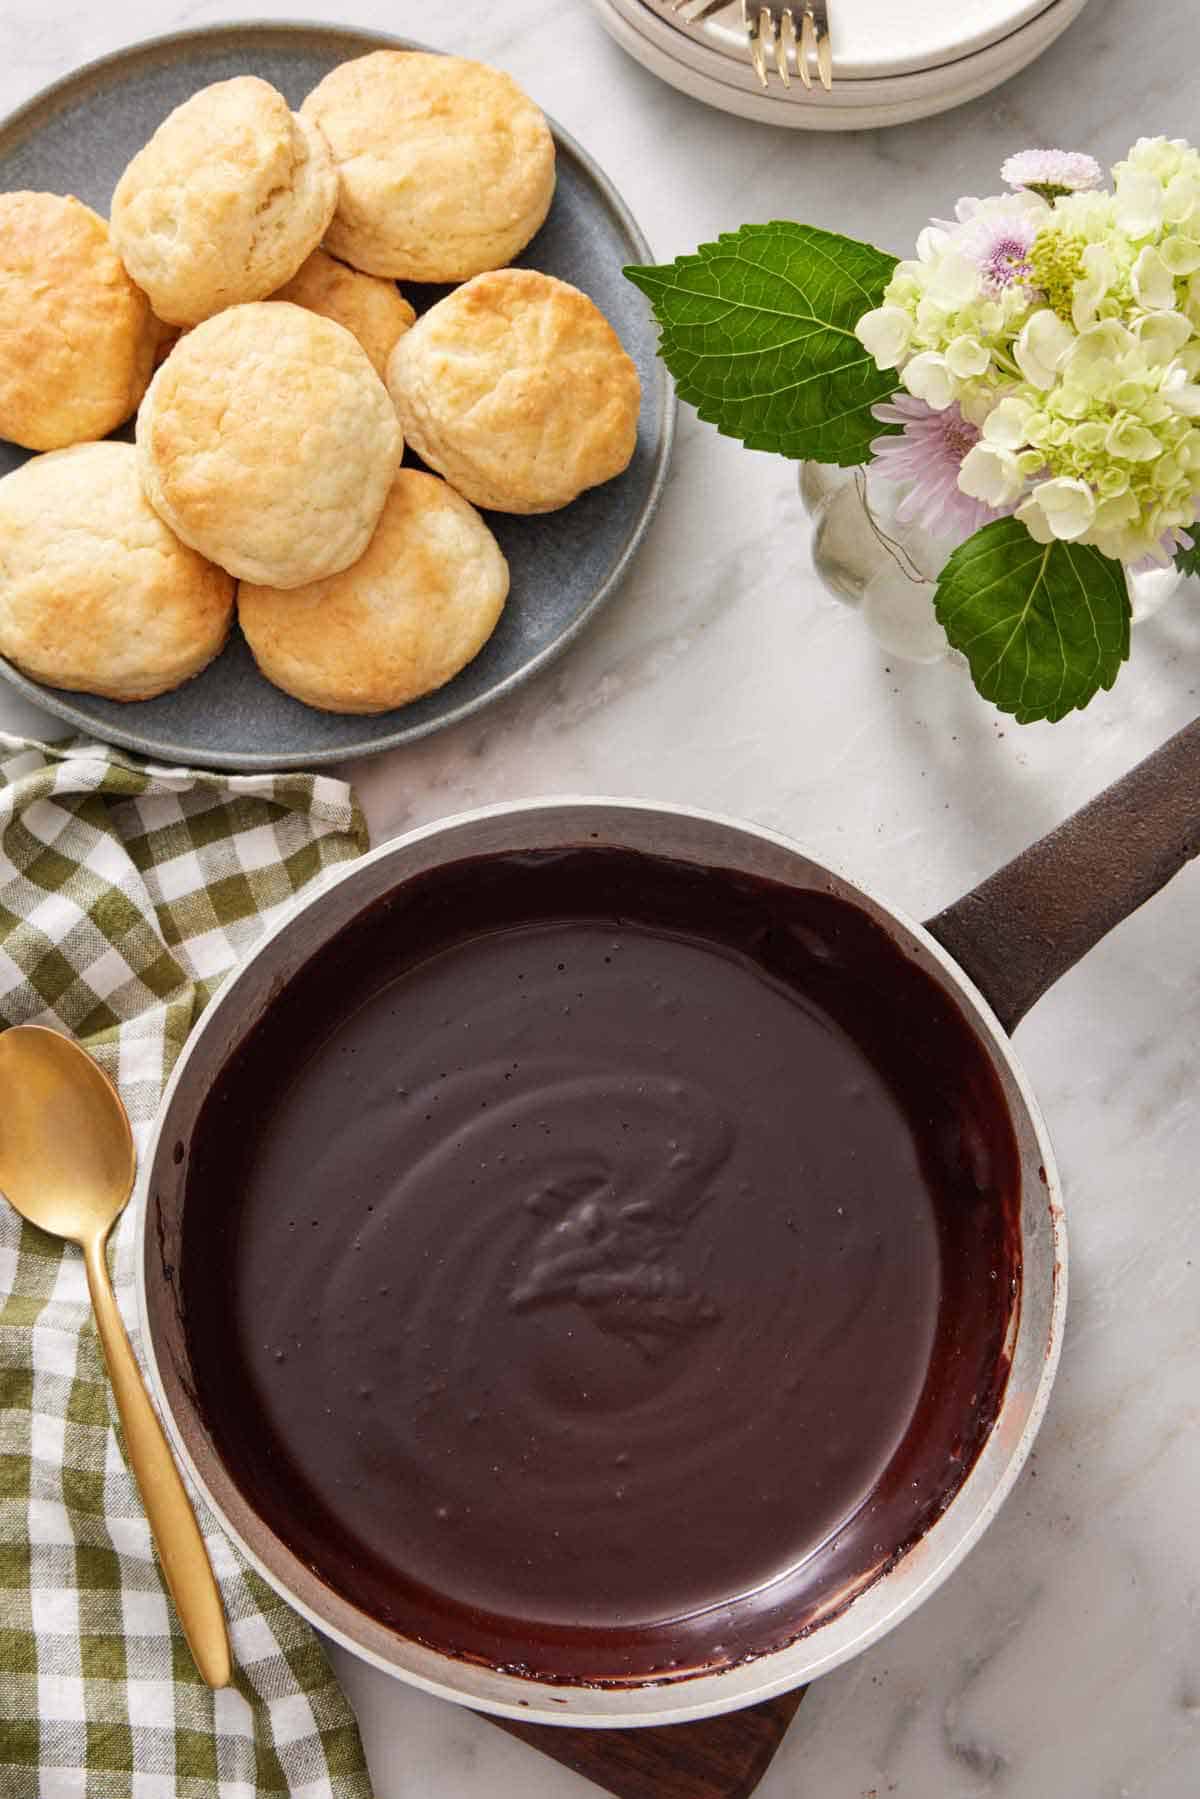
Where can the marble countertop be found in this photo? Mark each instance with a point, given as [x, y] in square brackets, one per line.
[1062, 1661]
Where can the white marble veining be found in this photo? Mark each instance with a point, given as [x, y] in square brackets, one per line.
[1063, 1660]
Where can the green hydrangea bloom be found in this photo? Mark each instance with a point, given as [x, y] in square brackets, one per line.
[1069, 334]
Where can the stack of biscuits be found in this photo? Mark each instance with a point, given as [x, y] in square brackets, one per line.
[242, 299]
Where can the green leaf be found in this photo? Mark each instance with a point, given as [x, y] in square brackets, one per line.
[1043, 626]
[1188, 561]
[758, 331]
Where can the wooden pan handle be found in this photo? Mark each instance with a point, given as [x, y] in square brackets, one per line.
[1032, 920]
[718, 1758]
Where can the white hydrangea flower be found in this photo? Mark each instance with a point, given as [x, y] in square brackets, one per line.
[1064, 508]
[1129, 440]
[1043, 343]
[1153, 282]
[1162, 335]
[1163, 158]
[967, 355]
[931, 242]
[1139, 203]
[1180, 392]
[927, 377]
[1116, 424]
[1158, 184]
[1008, 424]
[991, 474]
[1100, 272]
[954, 281]
[977, 399]
[1060, 327]
[885, 334]
[1181, 254]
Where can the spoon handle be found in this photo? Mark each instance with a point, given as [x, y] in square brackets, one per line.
[180, 1546]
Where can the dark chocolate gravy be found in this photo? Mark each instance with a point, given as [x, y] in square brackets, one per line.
[601, 1266]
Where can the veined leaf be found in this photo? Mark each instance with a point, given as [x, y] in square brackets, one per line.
[1043, 626]
[758, 331]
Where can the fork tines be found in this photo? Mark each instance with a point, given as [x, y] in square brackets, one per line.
[771, 30]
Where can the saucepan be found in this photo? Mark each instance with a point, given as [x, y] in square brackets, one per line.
[992, 954]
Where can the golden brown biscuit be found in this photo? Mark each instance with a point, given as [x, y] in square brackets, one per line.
[516, 389]
[95, 593]
[76, 336]
[224, 203]
[373, 311]
[445, 166]
[268, 442]
[414, 610]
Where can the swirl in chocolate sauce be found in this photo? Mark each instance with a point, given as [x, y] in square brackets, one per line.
[600, 1266]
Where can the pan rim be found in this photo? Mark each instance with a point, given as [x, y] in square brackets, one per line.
[922, 1569]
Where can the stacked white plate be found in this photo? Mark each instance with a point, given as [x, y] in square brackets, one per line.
[893, 60]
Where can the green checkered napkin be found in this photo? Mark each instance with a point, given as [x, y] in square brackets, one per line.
[126, 892]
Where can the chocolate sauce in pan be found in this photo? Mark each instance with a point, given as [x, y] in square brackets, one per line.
[600, 1266]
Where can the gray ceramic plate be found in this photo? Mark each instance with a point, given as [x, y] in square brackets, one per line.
[77, 136]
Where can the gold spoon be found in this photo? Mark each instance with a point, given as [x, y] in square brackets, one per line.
[67, 1163]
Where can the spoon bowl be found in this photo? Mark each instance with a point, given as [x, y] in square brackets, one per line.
[67, 1159]
[67, 1164]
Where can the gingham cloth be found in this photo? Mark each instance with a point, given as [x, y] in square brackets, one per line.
[126, 892]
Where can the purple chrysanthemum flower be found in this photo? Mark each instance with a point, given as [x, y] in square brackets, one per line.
[926, 457]
[998, 235]
[1053, 172]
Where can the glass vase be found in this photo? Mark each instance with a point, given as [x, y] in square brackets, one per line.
[865, 556]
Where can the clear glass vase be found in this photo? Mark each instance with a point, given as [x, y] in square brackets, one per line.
[865, 556]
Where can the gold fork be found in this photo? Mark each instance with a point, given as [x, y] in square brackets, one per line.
[771, 30]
